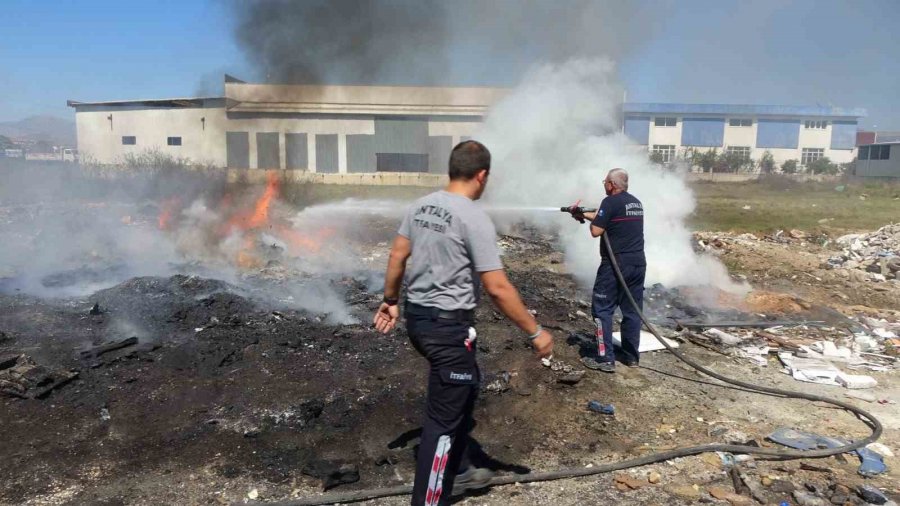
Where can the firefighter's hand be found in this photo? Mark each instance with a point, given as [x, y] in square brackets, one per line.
[543, 344]
[577, 214]
[386, 318]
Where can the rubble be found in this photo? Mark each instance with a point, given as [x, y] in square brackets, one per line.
[22, 377]
[877, 254]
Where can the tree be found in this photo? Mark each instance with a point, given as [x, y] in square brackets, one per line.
[706, 160]
[733, 161]
[6, 143]
[789, 167]
[823, 166]
[767, 163]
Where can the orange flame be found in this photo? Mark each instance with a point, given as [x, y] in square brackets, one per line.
[260, 214]
[248, 222]
[168, 208]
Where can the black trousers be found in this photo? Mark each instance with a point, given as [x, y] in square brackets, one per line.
[453, 379]
[610, 294]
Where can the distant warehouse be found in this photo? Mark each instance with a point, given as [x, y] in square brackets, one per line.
[322, 129]
[803, 133]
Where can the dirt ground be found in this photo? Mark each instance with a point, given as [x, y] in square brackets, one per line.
[259, 400]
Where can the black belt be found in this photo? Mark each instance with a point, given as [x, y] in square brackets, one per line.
[460, 315]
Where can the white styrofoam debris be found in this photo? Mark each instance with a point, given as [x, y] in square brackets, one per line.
[855, 381]
[649, 342]
[724, 337]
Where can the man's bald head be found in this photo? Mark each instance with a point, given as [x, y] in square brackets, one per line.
[618, 178]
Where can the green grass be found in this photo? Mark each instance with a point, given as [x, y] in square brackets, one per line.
[780, 204]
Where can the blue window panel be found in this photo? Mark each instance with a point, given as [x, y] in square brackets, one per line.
[704, 132]
[637, 128]
[843, 135]
[778, 133]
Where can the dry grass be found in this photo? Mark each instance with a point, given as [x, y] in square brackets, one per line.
[783, 204]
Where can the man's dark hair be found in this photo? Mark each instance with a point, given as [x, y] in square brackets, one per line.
[467, 159]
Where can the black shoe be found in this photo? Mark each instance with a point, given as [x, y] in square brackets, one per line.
[472, 478]
[631, 363]
[596, 365]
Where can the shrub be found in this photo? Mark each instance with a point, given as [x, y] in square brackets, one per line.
[789, 167]
[767, 163]
[823, 166]
[706, 160]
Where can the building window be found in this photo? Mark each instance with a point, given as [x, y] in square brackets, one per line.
[740, 122]
[665, 122]
[665, 153]
[129, 140]
[877, 152]
[863, 153]
[173, 141]
[815, 124]
[810, 155]
[743, 151]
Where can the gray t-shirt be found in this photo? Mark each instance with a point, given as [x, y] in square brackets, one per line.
[452, 241]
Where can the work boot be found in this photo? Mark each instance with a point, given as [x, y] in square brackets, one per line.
[631, 363]
[596, 365]
[473, 478]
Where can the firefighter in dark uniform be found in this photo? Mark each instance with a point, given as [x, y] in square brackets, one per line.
[447, 248]
[621, 217]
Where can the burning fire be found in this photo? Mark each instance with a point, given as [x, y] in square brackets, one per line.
[167, 210]
[249, 223]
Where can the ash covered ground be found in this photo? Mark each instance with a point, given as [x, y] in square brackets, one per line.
[264, 381]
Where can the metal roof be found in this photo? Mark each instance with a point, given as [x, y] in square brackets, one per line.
[745, 110]
[162, 102]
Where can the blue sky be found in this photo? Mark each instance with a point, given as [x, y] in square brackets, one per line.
[764, 51]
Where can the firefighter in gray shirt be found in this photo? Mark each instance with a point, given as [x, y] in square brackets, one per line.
[447, 247]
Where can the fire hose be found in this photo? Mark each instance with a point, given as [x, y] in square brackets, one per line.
[864, 416]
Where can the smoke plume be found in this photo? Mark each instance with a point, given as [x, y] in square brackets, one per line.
[66, 234]
[430, 42]
[553, 140]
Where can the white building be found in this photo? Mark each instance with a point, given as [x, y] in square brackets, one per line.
[324, 129]
[802, 133]
[879, 160]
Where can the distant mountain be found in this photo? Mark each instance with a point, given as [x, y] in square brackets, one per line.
[54, 130]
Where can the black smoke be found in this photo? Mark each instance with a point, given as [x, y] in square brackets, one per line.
[430, 42]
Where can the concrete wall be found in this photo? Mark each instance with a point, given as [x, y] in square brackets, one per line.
[664, 135]
[456, 129]
[376, 179]
[100, 139]
[741, 136]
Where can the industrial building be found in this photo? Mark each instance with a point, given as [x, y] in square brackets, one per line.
[318, 129]
[803, 133]
[879, 160]
[402, 129]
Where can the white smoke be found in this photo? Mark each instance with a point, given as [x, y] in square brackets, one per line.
[553, 140]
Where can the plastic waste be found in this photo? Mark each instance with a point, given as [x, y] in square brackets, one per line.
[603, 409]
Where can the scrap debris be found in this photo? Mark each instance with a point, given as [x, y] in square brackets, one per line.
[877, 253]
[22, 377]
[871, 462]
